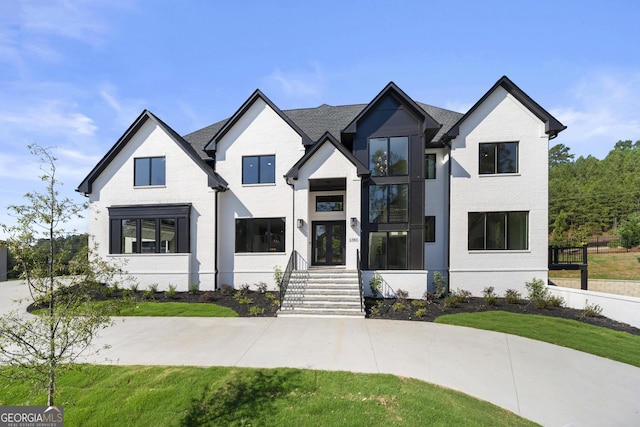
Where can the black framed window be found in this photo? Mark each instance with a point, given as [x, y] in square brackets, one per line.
[260, 235]
[388, 250]
[389, 156]
[149, 229]
[498, 230]
[149, 171]
[334, 203]
[259, 169]
[388, 203]
[429, 229]
[429, 166]
[498, 157]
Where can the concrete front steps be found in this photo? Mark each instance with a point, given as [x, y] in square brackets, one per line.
[322, 293]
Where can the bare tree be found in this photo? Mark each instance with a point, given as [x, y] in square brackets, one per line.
[43, 345]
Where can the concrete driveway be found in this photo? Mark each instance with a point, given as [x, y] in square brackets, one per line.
[551, 385]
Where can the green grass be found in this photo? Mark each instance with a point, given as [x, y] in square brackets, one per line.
[176, 309]
[191, 396]
[167, 309]
[620, 266]
[620, 346]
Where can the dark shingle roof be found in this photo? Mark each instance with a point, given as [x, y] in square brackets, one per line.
[325, 118]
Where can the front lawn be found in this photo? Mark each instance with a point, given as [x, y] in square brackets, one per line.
[620, 346]
[176, 309]
[220, 396]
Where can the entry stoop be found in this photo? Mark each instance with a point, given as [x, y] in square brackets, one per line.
[323, 293]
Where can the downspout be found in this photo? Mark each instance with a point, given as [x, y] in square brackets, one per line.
[448, 144]
[217, 237]
[293, 215]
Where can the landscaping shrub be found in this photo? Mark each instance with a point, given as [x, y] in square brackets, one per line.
[450, 301]
[262, 288]
[256, 311]
[440, 284]
[592, 310]
[512, 296]
[171, 293]
[462, 295]
[489, 295]
[402, 295]
[538, 293]
[242, 298]
[556, 301]
[421, 312]
[193, 288]
[375, 284]
[398, 306]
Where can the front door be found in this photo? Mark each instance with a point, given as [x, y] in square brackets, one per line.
[328, 242]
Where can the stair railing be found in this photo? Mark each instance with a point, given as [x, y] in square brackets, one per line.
[360, 285]
[286, 276]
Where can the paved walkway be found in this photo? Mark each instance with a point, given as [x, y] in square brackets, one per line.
[548, 384]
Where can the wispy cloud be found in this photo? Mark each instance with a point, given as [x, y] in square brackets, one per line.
[604, 107]
[52, 116]
[126, 109]
[306, 85]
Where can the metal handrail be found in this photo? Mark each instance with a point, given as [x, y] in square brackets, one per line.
[360, 285]
[286, 276]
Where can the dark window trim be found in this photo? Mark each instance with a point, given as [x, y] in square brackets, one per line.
[496, 146]
[430, 233]
[251, 233]
[149, 178]
[506, 232]
[181, 214]
[388, 201]
[385, 255]
[388, 138]
[428, 163]
[259, 157]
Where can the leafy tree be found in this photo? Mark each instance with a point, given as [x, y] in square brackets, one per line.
[558, 154]
[42, 346]
[595, 194]
[629, 231]
[560, 230]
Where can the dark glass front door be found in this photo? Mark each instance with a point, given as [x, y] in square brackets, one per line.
[328, 242]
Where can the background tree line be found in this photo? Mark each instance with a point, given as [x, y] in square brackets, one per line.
[588, 196]
[68, 247]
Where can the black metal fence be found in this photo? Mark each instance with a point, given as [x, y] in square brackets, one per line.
[606, 245]
[567, 256]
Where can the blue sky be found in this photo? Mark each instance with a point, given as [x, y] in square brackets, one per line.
[74, 74]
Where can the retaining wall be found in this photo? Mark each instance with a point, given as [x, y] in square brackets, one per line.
[620, 287]
[622, 308]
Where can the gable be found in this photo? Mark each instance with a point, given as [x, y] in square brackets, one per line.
[327, 141]
[381, 108]
[552, 127]
[140, 128]
[249, 106]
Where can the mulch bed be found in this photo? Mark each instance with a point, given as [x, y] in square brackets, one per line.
[384, 308]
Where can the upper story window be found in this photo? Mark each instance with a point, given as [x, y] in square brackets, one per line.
[429, 166]
[259, 169]
[498, 157]
[388, 203]
[389, 156]
[149, 171]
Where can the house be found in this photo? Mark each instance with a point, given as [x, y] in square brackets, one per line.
[394, 186]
